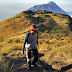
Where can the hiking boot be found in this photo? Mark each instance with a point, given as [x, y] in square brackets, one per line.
[29, 68]
[29, 65]
[35, 65]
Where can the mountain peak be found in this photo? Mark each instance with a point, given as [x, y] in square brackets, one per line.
[51, 2]
[51, 6]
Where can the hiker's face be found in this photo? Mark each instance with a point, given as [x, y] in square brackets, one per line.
[34, 31]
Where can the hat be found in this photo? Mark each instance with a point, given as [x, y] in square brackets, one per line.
[33, 27]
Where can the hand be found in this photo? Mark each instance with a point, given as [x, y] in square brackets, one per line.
[22, 52]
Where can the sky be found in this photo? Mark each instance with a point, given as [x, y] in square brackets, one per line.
[9, 8]
[37, 1]
[64, 4]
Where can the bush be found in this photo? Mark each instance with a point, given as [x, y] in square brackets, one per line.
[28, 16]
[39, 12]
[54, 62]
[52, 31]
[58, 31]
[17, 41]
[46, 31]
[47, 42]
[18, 17]
[10, 41]
[43, 12]
[63, 16]
[49, 12]
[34, 20]
[43, 28]
[16, 48]
[54, 14]
[28, 12]
[65, 29]
[40, 19]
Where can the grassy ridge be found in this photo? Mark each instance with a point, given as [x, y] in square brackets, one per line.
[55, 36]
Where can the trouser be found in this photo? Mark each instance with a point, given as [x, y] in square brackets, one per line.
[28, 56]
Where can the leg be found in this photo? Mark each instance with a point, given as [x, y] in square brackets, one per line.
[28, 56]
[35, 59]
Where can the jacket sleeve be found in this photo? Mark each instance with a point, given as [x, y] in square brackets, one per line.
[37, 38]
[24, 42]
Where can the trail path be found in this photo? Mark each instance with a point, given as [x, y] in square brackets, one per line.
[20, 65]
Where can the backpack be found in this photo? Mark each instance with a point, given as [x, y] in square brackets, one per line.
[29, 34]
[28, 45]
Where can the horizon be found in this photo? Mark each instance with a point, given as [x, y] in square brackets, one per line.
[17, 6]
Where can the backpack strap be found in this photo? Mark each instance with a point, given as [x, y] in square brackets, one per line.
[28, 35]
[37, 38]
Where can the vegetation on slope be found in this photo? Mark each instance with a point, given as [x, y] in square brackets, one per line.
[55, 38]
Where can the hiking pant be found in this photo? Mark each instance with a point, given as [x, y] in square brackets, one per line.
[28, 56]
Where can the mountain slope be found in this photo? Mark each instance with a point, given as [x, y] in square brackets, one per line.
[55, 42]
[20, 23]
[16, 25]
[51, 6]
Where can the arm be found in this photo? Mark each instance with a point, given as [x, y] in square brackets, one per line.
[37, 38]
[24, 42]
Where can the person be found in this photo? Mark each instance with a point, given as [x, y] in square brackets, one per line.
[30, 43]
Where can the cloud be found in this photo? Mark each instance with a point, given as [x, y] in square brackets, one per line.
[13, 7]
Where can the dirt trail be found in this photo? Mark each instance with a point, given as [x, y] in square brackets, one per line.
[20, 64]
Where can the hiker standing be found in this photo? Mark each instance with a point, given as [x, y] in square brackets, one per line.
[30, 43]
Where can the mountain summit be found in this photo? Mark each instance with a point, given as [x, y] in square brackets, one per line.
[51, 6]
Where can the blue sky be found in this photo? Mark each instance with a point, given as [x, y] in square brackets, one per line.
[64, 4]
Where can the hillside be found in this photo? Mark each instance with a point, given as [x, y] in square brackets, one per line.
[55, 41]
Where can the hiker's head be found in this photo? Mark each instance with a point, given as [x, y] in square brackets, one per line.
[33, 28]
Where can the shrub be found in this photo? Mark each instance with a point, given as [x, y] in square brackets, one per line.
[4, 54]
[18, 17]
[52, 31]
[16, 48]
[28, 12]
[34, 20]
[57, 31]
[67, 22]
[39, 12]
[10, 41]
[49, 49]
[28, 16]
[40, 19]
[49, 12]
[54, 62]
[43, 28]
[54, 14]
[22, 20]
[17, 41]
[65, 29]
[47, 42]
[46, 31]
[63, 16]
